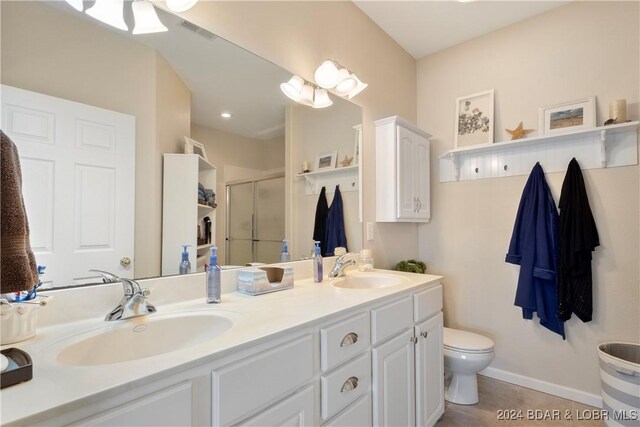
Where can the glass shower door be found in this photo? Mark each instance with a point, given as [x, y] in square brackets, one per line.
[269, 215]
[239, 224]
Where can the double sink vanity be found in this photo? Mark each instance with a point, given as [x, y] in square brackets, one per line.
[363, 349]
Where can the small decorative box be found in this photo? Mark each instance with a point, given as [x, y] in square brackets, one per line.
[262, 280]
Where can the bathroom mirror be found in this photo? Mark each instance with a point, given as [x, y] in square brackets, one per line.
[169, 85]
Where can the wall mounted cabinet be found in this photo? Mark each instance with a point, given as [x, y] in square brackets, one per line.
[181, 212]
[402, 172]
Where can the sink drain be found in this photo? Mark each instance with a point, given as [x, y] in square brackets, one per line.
[140, 328]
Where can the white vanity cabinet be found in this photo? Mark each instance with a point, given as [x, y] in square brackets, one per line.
[408, 364]
[402, 172]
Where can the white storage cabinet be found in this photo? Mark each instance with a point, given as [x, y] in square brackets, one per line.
[181, 212]
[402, 172]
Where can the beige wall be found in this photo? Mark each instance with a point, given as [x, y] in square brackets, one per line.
[576, 51]
[298, 36]
[52, 52]
[236, 157]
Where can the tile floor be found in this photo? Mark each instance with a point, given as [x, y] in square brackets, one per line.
[526, 407]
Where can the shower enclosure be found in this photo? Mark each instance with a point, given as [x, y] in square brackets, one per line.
[255, 220]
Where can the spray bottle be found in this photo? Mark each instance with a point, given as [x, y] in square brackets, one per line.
[185, 265]
[285, 256]
[317, 263]
[214, 287]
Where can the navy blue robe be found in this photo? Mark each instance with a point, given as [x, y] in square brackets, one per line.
[336, 235]
[534, 246]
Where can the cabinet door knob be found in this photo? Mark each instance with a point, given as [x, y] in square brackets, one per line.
[350, 384]
[424, 334]
[349, 339]
[413, 339]
[125, 261]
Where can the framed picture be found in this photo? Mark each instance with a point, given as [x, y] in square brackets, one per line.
[474, 119]
[326, 160]
[194, 147]
[568, 117]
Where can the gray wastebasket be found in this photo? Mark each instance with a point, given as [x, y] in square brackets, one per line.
[620, 379]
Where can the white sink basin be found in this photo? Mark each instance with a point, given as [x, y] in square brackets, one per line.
[143, 337]
[368, 281]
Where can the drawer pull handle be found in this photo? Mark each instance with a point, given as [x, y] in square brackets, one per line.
[424, 334]
[350, 384]
[350, 338]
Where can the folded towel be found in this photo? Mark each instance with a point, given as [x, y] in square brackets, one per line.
[17, 263]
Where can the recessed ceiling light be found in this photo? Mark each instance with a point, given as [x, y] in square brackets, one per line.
[226, 115]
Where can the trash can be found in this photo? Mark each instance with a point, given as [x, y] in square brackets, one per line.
[620, 379]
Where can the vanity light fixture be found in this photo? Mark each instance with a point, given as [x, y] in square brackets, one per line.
[146, 18]
[76, 4]
[305, 93]
[226, 115]
[331, 75]
[111, 12]
[180, 5]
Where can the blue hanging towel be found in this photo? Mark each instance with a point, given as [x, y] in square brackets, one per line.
[335, 235]
[534, 246]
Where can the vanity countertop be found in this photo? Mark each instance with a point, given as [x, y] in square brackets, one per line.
[256, 319]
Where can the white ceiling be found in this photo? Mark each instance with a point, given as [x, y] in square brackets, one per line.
[424, 27]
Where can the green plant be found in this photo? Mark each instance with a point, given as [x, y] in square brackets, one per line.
[411, 266]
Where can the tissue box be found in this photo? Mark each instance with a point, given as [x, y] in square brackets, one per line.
[262, 280]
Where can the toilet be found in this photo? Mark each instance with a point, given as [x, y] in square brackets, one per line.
[465, 354]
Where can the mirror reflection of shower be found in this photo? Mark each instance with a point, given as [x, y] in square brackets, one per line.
[255, 222]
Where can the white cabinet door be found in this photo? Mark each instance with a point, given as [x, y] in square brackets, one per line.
[429, 371]
[394, 382]
[168, 407]
[421, 177]
[295, 411]
[406, 164]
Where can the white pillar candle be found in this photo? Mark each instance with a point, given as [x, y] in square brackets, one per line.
[618, 110]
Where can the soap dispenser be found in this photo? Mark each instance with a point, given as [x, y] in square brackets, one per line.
[317, 263]
[185, 265]
[285, 256]
[214, 287]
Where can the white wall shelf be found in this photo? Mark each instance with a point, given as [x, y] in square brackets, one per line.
[599, 147]
[346, 178]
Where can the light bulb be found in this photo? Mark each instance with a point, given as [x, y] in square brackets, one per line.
[346, 85]
[326, 74]
[146, 18]
[110, 12]
[321, 99]
[360, 86]
[180, 5]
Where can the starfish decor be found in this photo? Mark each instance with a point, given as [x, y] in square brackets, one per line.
[519, 132]
[347, 161]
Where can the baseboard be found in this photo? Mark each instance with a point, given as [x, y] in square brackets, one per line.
[544, 386]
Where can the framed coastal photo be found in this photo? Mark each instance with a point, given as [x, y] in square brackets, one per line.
[194, 147]
[474, 119]
[568, 117]
[326, 160]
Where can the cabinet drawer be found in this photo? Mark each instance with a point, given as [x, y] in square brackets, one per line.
[391, 319]
[341, 387]
[343, 340]
[242, 387]
[296, 410]
[356, 415]
[427, 303]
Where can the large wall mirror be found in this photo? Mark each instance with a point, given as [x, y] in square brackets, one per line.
[95, 110]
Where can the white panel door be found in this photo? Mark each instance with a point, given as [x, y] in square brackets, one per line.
[421, 177]
[78, 183]
[393, 382]
[406, 203]
[429, 371]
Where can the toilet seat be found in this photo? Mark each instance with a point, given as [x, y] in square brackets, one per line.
[466, 342]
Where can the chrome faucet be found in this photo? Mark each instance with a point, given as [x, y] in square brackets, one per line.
[134, 301]
[342, 262]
